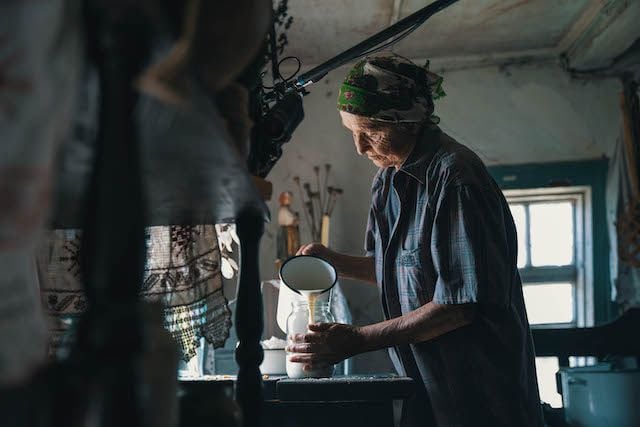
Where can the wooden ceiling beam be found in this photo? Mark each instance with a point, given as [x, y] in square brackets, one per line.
[605, 30]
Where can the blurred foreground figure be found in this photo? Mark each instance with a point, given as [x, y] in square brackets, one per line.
[41, 59]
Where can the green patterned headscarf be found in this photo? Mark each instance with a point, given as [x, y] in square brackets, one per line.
[391, 89]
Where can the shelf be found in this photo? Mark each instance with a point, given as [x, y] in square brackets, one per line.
[338, 388]
[346, 388]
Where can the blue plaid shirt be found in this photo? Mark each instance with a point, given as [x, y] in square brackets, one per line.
[452, 240]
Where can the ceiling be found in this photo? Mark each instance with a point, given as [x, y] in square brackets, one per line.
[590, 34]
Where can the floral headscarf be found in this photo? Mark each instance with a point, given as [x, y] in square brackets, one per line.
[391, 89]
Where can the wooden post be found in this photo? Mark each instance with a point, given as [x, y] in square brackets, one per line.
[107, 352]
[249, 354]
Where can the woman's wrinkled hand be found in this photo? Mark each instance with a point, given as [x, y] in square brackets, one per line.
[325, 344]
[318, 250]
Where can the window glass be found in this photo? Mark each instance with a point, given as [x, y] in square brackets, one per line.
[549, 303]
[546, 368]
[551, 233]
[519, 217]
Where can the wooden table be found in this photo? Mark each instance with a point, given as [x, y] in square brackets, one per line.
[354, 400]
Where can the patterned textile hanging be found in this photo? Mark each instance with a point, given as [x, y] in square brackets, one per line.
[623, 204]
[183, 271]
[628, 222]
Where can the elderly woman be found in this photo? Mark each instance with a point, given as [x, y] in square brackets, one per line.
[441, 246]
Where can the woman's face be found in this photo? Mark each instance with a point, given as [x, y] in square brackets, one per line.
[385, 144]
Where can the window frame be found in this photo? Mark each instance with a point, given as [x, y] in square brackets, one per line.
[580, 272]
[591, 173]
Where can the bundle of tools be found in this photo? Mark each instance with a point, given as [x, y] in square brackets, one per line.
[319, 204]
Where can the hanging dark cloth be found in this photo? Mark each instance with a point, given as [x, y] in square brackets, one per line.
[623, 203]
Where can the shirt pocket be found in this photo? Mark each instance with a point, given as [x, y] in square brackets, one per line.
[410, 279]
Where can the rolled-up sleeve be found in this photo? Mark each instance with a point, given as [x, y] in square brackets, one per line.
[469, 248]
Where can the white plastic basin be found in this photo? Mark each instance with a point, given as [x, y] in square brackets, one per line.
[596, 396]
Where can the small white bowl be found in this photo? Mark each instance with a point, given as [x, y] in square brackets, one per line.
[274, 362]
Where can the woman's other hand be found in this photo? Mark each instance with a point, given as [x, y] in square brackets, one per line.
[318, 250]
[326, 344]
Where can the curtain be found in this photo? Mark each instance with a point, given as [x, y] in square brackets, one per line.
[623, 207]
[625, 278]
[183, 272]
[183, 263]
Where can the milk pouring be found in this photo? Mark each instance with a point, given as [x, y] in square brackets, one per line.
[308, 276]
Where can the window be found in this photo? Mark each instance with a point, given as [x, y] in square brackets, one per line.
[553, 227]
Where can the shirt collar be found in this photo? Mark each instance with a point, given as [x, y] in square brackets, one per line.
[418, 161]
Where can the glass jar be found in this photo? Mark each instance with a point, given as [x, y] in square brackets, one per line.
[297, 323]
